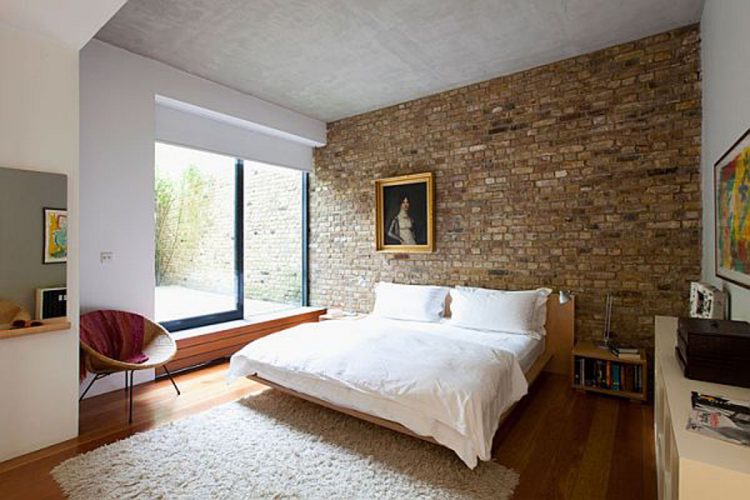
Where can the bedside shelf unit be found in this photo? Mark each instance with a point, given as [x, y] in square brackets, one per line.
[605, 373]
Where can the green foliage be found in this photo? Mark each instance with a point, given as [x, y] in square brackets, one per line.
[180, 206]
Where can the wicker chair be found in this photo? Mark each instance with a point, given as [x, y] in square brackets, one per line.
[10, 312]
[158, 345]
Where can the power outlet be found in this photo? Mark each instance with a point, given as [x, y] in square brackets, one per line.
[106, 257]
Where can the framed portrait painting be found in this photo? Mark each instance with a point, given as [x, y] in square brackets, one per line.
[55, 235]
[404, 208]
[732, 206]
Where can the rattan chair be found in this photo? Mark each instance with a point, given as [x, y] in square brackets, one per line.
[158, 345]
[10, 312]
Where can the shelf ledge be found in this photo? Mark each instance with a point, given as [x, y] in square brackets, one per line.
[47, 326]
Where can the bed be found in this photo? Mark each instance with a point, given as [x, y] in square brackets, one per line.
[435, 381]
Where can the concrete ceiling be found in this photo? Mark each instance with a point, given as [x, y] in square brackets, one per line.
[335, 58]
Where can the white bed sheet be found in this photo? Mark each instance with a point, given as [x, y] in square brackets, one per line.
[469, 444]
[526, 349]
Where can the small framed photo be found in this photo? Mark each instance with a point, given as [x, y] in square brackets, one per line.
[404, 208]
[732, 205]
[55, 235]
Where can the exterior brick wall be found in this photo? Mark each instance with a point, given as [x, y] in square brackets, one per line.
[273, 255]
[273, 234]
[204, 255]
[582, 174]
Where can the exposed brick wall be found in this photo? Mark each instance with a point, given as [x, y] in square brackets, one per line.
[582, 174]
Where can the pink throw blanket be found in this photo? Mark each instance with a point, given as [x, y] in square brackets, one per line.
[115, 334]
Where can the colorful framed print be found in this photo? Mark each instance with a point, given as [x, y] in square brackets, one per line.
[732, 206]
[404, 208]
[55, 235]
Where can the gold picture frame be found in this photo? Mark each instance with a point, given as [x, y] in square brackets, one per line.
[404, 214]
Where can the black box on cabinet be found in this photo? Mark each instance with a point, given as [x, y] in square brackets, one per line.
[714, 350]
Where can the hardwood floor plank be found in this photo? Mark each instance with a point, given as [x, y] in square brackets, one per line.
[626, 473]
[564, 444]
[594, 467]
[648, 459]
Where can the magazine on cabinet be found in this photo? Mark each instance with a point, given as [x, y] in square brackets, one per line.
[720, 418]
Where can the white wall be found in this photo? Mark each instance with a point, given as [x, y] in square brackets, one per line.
[39, 131]
[118, 91]
[175, 126]
[71, 23]
[726, 115]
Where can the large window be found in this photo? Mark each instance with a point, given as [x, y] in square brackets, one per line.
[230, 238]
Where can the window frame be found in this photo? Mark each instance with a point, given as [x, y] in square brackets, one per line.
[239, 253]
[304, 272]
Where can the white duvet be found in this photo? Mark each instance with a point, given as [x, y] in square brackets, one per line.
[452, 384]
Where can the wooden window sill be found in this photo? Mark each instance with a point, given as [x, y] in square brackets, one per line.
[48, 326]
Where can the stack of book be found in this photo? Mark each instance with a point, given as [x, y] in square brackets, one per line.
[626, 352]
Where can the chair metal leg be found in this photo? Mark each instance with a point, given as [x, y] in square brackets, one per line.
[126, 381]
[130, 406]
[170, 378]
[96, 377]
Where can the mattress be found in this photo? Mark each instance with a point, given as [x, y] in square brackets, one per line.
[470, 441]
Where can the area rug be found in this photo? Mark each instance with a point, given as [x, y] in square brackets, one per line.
[277, 446]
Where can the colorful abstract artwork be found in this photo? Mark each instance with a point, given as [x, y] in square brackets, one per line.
[732, 197]
[55, 235]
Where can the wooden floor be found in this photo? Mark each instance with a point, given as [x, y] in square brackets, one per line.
[565, 444]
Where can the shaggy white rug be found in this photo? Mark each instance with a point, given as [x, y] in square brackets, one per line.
[276, 446]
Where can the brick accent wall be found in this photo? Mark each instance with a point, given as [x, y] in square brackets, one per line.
[582, 174]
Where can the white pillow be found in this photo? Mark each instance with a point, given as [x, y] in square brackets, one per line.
[409, 302]
[523, 312]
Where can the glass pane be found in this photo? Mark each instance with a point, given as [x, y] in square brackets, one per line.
[273, 238]
[195, 233]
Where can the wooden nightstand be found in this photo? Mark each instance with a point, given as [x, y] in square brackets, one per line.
[598, 370]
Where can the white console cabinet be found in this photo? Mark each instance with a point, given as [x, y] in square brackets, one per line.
[689, 465]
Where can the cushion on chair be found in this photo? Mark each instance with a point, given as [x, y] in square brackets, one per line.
[115, 334]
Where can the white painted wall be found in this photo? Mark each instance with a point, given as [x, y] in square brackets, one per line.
[71, 23]
[175, 126]
[118, 119]
[726, 115]
[39, 131]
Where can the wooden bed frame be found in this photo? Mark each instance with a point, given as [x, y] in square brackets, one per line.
[555, 359]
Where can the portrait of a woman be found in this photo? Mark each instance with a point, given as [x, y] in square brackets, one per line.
[401, 226]
[404, 213]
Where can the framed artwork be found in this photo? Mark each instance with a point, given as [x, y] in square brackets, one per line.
[706, 301]
[404, 208]
[732, 206]
[55, 235]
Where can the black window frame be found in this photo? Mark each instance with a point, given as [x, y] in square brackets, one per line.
[305, 285]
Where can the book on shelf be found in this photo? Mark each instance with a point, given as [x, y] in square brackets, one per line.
[616, 377]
